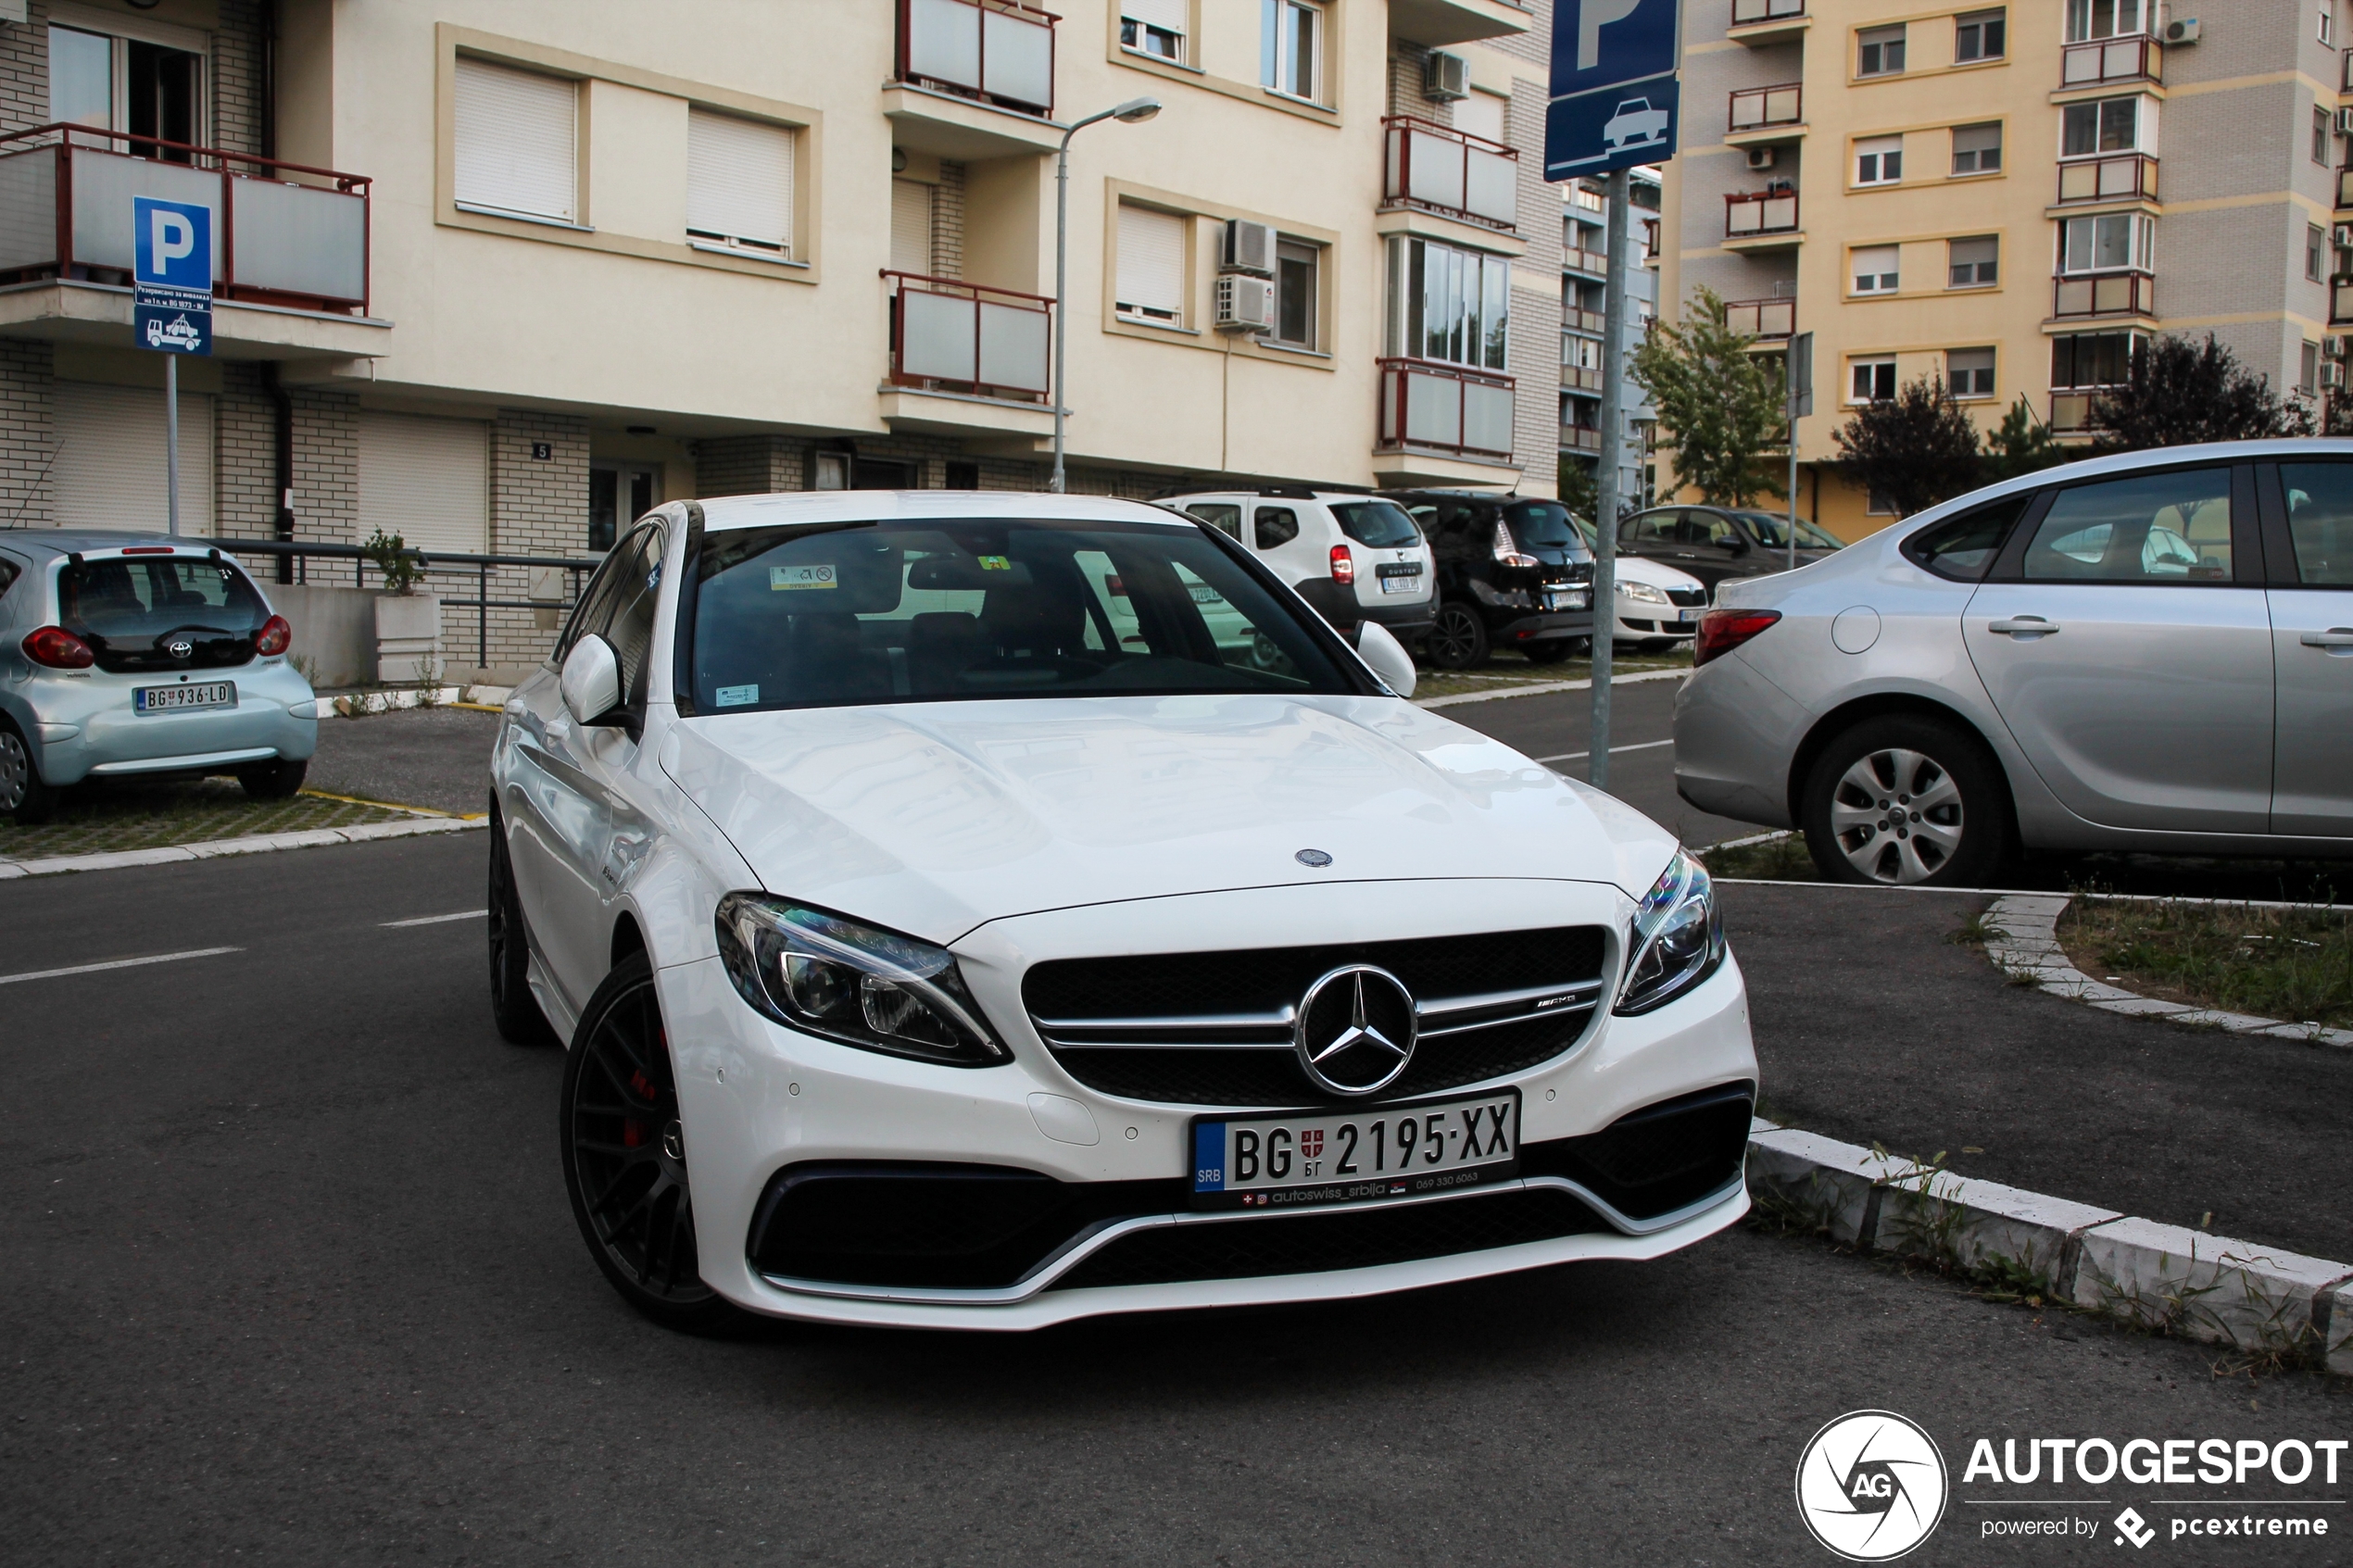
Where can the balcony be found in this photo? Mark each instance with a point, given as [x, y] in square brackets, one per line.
[1760, 215]
[2341, 299]
[961, 353]
[1768, 21]
[1757, 112]
[996, 51]
[2111, 60]
[1590, 262]
[1439, 23]
[1450, 172]
[1577, 319]
[2072, 411]
[1761, 318]
[1580, 438]
[2103, 294]
[1453, 409]
[2122, 178]
[2345, 190]
[1578, 378]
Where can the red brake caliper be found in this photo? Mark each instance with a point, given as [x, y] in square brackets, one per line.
[634, 1133]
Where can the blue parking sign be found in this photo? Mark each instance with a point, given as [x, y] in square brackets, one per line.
[1616, 127]
[172, 274]
[1613, 96]
[1602, 43]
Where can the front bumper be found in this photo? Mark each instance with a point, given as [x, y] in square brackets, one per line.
[1525, 629]
[76, 728]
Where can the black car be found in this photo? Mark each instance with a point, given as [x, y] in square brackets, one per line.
[1511, 574]
[1714, 543]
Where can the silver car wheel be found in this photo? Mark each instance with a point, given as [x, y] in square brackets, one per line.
[16, 768]
[1898, 816]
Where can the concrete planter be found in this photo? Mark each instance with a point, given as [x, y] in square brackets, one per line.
[408, 636]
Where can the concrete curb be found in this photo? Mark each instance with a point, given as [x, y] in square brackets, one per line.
[255, 844]
[2030, 949]
[2148, 1275]
[1541, 687]
[358, 704]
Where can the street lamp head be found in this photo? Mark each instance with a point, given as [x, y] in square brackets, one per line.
[1136, 109]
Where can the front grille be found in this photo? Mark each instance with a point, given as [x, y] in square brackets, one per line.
[1322, 1243]
[1689, 598]
[1214, 1028]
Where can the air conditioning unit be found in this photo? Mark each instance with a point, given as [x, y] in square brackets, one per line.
[2181, 33]
[1761, 158]
[2341, 236]
[2345, 122]
[1445, 78]
[1245, 304]
[1248, 248]
[2334, 345]
[2333, 376]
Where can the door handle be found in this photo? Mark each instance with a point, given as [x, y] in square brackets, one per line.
[2335, 637]
[2022, 626]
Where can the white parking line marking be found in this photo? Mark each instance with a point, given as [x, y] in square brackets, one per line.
[435, 920]
[118, 963]
[1573, 755]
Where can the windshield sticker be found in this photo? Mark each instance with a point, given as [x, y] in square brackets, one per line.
[781, 578]
[736, 696]
[995, 563]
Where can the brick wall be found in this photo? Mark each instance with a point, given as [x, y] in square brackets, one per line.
[237, 77]
[326, 466]
[948, 221]
[1535, 45]
[748, 465]
[1534, 353]
[1405, 66]
[538, 506]
[27, 431]
[24, 71]
[246, 455]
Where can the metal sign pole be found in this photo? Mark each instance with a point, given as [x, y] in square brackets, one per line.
[1797, 367]
[171, 442]
[1612, 455]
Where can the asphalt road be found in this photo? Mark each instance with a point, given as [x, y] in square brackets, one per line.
[293, 1282]
[436, 756]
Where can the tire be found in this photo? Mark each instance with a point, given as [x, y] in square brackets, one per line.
[1556, 651]
[1907, 801]
[624, 1156]
[1457, 638]
[512, 1007]
[278, 780]
[23, 795]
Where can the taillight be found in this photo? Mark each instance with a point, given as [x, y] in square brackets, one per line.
[1343, 567]
[1721, 630]
[1507, 550]
[58, 648]
[273, 636]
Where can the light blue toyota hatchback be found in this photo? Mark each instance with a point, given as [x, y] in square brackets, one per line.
[139, 653]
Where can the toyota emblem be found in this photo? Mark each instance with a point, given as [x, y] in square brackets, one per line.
[1355, 1031]
[180, 647]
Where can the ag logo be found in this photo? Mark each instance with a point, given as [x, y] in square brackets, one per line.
[1872, 1486]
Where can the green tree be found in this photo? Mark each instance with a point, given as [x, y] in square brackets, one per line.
[2022, 444]
[1720, 405]
[1913, 450]
[2177, 392]
[1580, 493]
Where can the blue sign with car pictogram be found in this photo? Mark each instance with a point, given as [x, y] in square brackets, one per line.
[1613, 90]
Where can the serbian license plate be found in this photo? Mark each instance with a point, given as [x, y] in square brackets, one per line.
[1405, 578]
[1689, 617]
[1566, 598]
[170, 699]
[1318, 1159]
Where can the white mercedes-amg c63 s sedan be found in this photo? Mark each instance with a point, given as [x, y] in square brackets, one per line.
[984, 910]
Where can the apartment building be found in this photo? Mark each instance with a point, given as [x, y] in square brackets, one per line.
[498, 275]
[2008, 197]
[1584, 272]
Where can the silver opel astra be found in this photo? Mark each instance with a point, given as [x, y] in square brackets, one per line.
[2146, 652]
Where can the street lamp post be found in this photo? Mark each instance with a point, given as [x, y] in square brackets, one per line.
[1128, 113]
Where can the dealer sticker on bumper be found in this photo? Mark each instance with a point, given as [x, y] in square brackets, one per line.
[1303, 1159]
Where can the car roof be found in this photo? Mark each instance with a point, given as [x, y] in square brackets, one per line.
[66, 541]
[801, 507]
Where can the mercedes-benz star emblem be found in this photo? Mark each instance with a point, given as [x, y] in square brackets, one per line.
[1355, 1031]
[180, 647]
[1313, 858]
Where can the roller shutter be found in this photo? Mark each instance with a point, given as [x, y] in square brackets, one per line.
[1151, 262]
[739, 177]
[910, 227]
[110, 469]
[427, 480]
[518, 139]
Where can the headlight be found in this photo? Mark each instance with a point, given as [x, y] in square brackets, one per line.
[1643, 592]
[852, 982]
[1677, 940]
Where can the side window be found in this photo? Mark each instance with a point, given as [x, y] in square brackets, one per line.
[609, 587]
[1962, 548]
[1654, 530]
[9, 571]
[1224, 516]
[631, 629]
[2320, 521]
[1276, 525]
[1720, 531]
[2151, 528]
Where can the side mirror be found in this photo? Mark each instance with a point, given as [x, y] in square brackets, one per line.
[1737, 544]
[1386, 657]
[592, 682]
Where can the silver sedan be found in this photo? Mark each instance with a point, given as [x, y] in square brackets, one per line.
[2146, 652]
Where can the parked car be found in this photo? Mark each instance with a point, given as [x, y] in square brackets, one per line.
[1512, 573]
[2143, 652]
[1657, 604]
[1717, 543]
[948, 933]
[138, 652]
[1375, 562]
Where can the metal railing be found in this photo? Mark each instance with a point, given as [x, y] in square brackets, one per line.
[1752, 213]
[1580, 378]
[283, 233]
[2107, 179]
[1579, 260]
[945, 332]
[999, 52]
[1445, 407]
[1580, 438]
[2072, 411]
[1759, 108]
[1746, 12]
[1761, 318]
[2103, 294]
[2136, 58]
[1577, 319]
[1449, 171]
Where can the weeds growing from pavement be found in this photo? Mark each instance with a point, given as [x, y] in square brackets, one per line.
[2292, 964]
[1781, 858]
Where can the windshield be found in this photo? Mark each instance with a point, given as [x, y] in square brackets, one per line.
[1773, 533]
[1382, 524]
[131, 611]
[934, 611]
[1543, 524]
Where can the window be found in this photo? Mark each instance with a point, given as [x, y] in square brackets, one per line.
[2101, 244]
[2089, 20]
[1878, 51]
[1878, 160]
[1874, 381]
[2316, 244]
[1291, 45]
[1968, 373]
[1155, 27]
[2320, 521]
[619, 493]
[1224, 516]
[1875, 269]
[1974, 262]
[1964, 548]
[630, 627]
[2308, 370]
[739, 184]
[146, 88]
[1448, 305]
[1152, 266]
[911, 249]
[1976, 149]
[2320, 136]
[2151, 528]
[2108, 125]
[1980, 36]
[2087, 359]
[1274, 526]
[1484, 115]
[2327, 26]
[1295, 268]
[518, 134]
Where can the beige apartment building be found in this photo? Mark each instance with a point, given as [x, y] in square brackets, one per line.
[498, 275]
[2008, 197]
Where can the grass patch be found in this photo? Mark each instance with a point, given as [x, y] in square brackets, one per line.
[105, 816]
[1776, 860]
[2291, 964]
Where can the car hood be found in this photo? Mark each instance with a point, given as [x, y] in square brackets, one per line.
[934, 818]
[1657, 574]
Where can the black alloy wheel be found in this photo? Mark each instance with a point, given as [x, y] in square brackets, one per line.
[512, 1007]
[1457, 638]
[275, 780]
[624, 1152]
[23, 795]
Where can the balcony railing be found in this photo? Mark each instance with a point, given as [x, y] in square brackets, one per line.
[1752, 213]
[1761, 318]
[283, 233]
[2341, 299]
[2104, 293]
[1445, 408]
[1451, 172]
[1580, 438]
[949, 335]
[2107, 179]
[1590, 261]
[2072, 410]
[2345, 190]
[1760, 108]
[1747, 12]
[2112, 59]
[1578, 378]
[1577, 319]
[999, 51]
